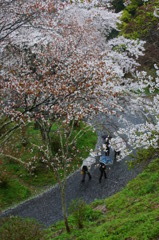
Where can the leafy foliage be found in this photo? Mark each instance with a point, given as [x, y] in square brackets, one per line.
[16, 228]
[81, 213]
[138, 21]
[78, 209]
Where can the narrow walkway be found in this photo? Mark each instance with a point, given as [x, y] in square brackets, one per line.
[46, 208]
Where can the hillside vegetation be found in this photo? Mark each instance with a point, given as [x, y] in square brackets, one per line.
[130, 214]
[138, 22]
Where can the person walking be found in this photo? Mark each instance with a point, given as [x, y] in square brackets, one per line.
[106, 152]
[85, 172]
[116, 155]
[102, 169]
[86, 165]
[106, 144]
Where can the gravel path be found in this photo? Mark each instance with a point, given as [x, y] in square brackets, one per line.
[46, 208]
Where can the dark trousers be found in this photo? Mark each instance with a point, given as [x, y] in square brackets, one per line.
[85, 171]
[102, 172]
[116, 153]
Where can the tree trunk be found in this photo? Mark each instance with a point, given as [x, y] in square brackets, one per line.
[66, 224]
[64, 210]
[42, 129]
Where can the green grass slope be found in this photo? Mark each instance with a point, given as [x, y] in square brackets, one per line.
[132, 214]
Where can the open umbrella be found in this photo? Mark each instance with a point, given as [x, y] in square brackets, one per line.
[107, 160]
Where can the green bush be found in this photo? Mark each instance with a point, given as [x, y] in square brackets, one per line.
[16, 228]
[126, 16]
[78, 209]
[82, 212]
[132, 9]
[138, 19]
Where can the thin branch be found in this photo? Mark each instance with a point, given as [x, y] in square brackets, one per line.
[5, 124]
[13, 158]
[79, 134]
[10, 130]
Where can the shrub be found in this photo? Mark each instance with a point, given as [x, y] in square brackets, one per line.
[126, 16]
[16, 228]
[132, 9]
[78, 210]
[82, 212]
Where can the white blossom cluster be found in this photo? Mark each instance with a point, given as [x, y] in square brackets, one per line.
[156, 12]
[146, 134]
[123, 54]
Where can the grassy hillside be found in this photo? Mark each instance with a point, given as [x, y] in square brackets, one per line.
[132, 214]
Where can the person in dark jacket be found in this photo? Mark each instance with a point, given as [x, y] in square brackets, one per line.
[85, 172]
[86, 166]
[102, 169]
